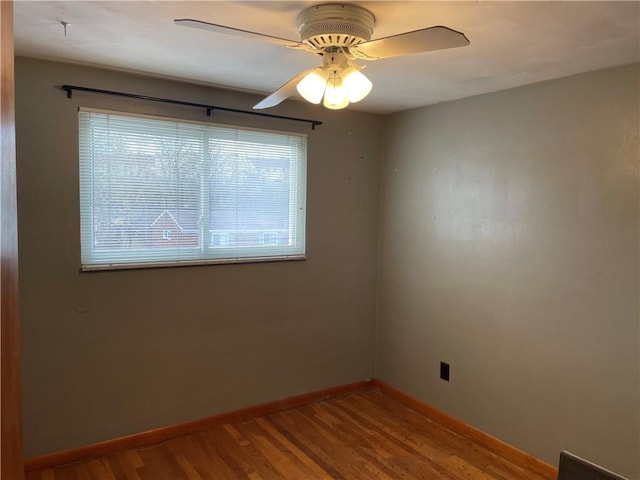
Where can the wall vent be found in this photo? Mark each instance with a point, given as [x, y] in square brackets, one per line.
[573, 467]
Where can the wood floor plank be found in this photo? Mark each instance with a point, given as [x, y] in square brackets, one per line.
[287, 444]
[307, 442]
[209, 457]
[240, 458]
[404, 418]
[349, 453]
[100, 470]
[188, 468]
[339, 458]
[190, 453]
[64, 472]
[82, 471]
[35, 475]
[285, 461]
[364, 435]
[401, 446]
[126, 463]
[48, 475]
[158, 464]
[366, 447]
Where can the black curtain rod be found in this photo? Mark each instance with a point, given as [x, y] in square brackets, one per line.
[70, 88]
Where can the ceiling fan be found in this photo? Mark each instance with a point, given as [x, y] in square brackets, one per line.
[340, 34]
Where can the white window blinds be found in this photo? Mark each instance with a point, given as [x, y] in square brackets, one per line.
[165, 192]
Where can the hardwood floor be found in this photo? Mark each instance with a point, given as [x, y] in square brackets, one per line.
[364, 435]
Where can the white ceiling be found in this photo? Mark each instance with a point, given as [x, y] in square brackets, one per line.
[512, 43]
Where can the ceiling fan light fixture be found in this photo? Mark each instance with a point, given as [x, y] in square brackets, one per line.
[339, 87]
[313, 86]
[340, 33]
[335, 25]
[357, 84]
[336, 94]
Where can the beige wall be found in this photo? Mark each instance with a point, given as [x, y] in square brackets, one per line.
[112, 353]
[509, 248]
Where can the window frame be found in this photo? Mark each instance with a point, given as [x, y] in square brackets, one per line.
[206, 253]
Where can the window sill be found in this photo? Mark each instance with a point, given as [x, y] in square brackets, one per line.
[189, 263]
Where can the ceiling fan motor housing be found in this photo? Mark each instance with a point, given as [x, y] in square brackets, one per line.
[335, 25]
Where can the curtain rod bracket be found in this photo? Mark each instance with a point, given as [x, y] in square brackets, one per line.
[69, 89]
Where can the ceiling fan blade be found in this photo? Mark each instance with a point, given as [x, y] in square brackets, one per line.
[238, 32]
[284, 92]
[418, 41]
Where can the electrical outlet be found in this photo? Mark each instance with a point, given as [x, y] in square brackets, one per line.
[444, 371]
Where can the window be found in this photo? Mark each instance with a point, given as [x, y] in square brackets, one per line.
[219, 239]
[155, 192]
[270, 238]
